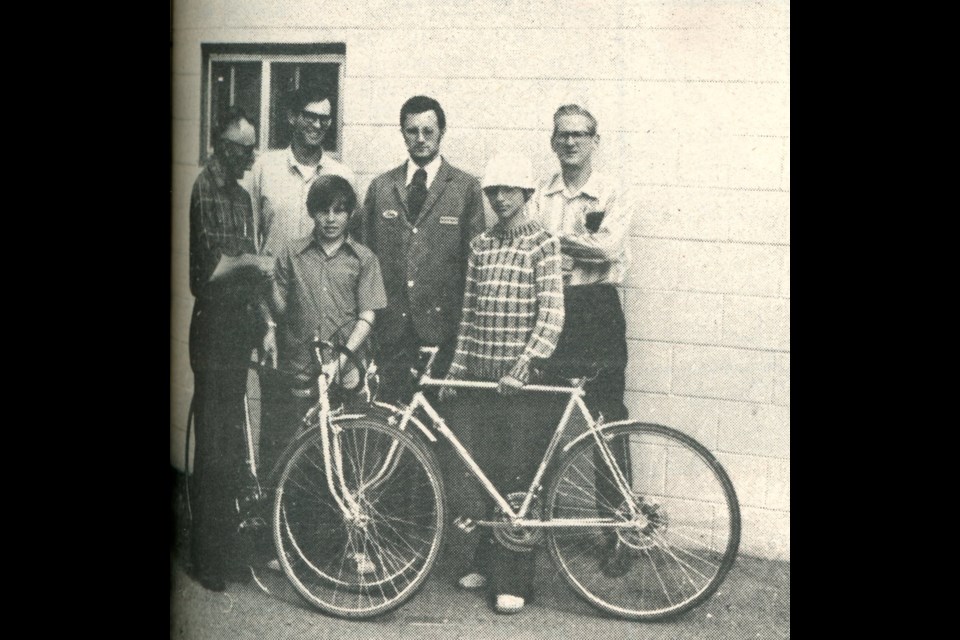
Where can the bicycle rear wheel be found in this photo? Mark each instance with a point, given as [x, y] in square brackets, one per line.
[670, 551]
[362, 564]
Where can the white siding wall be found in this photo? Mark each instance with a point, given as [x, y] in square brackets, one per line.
[693, 103]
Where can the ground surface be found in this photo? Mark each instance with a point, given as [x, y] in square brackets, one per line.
[753, 602]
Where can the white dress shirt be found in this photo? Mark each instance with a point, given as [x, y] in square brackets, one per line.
[601, 256]
[431, 168]
[278, 191]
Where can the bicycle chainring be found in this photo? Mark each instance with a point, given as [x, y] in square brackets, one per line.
[518, 538]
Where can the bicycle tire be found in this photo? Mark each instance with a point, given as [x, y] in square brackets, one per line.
[399, 534]
[681, 543]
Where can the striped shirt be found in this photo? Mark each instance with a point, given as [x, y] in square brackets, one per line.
[512, 304]
[594, 223]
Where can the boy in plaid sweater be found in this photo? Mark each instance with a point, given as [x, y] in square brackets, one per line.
[512, 311]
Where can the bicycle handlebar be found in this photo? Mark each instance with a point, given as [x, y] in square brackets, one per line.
[315, 348]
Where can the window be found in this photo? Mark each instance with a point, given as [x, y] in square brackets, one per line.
[255, 77]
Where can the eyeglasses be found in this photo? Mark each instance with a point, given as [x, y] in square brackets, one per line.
[316, 118]
[577, 136]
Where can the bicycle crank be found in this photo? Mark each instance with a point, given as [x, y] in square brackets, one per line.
[517, 538]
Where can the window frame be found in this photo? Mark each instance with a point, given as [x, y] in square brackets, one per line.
[266, 54]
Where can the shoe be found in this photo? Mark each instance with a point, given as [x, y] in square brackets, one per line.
[240, 574]
[212, 583]
[365, 565]
[508, 604]
[616, 560]
[472, 581]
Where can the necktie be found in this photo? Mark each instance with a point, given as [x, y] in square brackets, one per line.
[417, 194]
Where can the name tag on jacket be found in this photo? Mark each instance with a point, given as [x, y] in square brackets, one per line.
[449, 220]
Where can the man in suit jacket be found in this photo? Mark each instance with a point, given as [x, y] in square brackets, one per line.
[419, 219]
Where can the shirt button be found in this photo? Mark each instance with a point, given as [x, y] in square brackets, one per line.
[414, 230]
[409, 283]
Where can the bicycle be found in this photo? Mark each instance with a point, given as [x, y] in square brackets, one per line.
[382, 500]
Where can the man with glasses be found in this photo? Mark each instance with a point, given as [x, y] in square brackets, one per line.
[226, 279]
[419, 219]
[281, 179]
[279, 185]
[586, 209]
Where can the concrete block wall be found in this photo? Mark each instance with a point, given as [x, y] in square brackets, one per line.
[693, 103]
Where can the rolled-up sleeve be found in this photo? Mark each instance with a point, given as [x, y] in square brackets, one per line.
[609, 241]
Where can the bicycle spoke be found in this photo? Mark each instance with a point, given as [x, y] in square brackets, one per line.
[367, 562]
[653, 565]
[662, 561]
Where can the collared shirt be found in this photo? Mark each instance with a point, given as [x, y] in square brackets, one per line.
[279, 190]
[512, 303]
[221, 224]
[431, 168]
[590, 257]
[324, 295]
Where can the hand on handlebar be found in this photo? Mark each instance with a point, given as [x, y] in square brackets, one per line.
[331, 370]
[447, 393]
[508, 385]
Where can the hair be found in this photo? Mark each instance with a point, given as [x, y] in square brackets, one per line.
[230, 119]
[309, 93]
[327, 190]
[574, 110]
[422, 104]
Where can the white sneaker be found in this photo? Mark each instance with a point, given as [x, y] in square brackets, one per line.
[509, 604]
[365, 565]
[274, 565]
[472, 581]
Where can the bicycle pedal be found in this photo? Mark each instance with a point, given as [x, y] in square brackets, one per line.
[465, 524]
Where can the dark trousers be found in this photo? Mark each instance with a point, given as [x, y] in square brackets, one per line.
[215, 548]
[221, 339]
[507, 436]
[395, 359]
[595, 336]
[281, 417]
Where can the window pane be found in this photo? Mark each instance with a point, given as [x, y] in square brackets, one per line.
[288, 76]
[235, 84]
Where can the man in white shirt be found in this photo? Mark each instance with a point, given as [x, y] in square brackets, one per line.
[281, 179]
[586, 209]
[278, 184]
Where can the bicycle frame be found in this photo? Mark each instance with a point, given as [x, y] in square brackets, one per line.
[518, 518]
[333, 459]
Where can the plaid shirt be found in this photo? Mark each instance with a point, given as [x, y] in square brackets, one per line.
[221, 224]
[512, 305]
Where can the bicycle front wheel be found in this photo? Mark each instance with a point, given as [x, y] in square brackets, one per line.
[656, 548]
[366, 547]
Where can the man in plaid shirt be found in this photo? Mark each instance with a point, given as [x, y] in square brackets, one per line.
[226, 276]
[512, 311]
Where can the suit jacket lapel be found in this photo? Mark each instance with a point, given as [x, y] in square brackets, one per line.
[436, 188]
[400, 187]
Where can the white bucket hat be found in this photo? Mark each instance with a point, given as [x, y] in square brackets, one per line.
[509, 169]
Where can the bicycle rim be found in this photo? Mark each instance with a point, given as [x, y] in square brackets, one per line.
[672, 541]
[362, 565]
